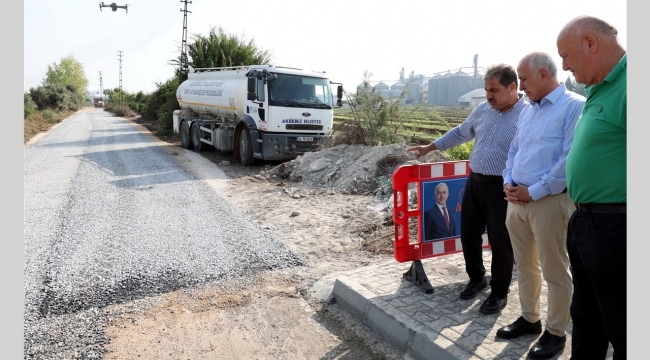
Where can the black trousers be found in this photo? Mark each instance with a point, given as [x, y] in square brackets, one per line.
[484, 206]
[597, 245]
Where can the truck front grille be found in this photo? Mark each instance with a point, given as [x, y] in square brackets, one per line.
[304, 127]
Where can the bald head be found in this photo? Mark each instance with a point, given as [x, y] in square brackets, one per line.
[589, 48]
[589, 24]
[442, 193]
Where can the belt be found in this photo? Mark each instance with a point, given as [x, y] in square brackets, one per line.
[481, 177]
[616, 208]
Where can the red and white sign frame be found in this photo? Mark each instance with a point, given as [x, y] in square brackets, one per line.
[405, 248]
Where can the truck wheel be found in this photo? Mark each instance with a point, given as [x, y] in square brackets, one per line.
[197, 144]
[185, 135]
[245, 148]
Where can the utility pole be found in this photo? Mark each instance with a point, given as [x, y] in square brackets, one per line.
[183, 69]
[101, 88]
[120, 58]
[477, 80]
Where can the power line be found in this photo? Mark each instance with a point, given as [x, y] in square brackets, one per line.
[155, 34]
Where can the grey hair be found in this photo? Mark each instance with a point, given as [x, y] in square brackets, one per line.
[539, 61]
[441, 184]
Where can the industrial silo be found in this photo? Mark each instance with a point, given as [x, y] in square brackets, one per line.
[415, 92]
[384, 90]
[396, 90]
[362, 87]
[443, 89]
[433, 90]
[459, 84]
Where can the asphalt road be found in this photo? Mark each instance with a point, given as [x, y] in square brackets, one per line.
[110, 217]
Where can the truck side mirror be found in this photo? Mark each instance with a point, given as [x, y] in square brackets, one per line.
[339, 96]
[251, 89]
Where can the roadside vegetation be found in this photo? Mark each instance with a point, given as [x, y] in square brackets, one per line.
[366, 119]
[370, 119]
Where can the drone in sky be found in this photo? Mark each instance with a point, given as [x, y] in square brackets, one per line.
[114, 6]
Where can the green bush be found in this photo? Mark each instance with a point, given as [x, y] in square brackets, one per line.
[49, 115]
[126, 103]
[162, 103]
[460, 152]
[27, 112]
[29, 106]
[120, 110]
[56, 97]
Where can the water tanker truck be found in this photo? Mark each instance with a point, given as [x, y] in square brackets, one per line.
[255, 112]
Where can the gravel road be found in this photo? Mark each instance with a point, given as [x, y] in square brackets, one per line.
[110, 217]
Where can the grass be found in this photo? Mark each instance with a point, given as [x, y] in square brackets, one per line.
[425, 125]
[41, 121]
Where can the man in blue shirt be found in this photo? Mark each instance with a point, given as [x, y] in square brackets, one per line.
[538, 205]
[493, 124]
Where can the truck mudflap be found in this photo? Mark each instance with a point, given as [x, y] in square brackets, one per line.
[288, 146]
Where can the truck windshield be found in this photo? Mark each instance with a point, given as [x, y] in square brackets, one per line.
[300, 91]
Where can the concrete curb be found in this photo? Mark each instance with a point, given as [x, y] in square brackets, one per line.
[391, 324]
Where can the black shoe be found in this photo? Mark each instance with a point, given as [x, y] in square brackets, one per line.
[547, 346]
[519, 327]
[472, 288]
[493, 304]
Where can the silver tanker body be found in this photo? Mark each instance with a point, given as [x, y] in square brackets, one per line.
[216, 93]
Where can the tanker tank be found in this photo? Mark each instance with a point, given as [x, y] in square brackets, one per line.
[219, 94]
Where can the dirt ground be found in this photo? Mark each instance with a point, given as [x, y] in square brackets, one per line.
[278, 315]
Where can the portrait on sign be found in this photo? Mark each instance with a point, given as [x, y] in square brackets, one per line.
[441, 207]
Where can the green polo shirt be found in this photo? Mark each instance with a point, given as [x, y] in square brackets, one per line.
[596, 166]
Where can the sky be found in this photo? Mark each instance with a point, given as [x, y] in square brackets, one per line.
[342, 38]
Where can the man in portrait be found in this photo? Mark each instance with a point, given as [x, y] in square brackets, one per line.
[440, 220]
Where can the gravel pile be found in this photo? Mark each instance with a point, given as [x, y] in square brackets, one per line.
[111, 218]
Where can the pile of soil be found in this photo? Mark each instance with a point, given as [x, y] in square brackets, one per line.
[349, 169]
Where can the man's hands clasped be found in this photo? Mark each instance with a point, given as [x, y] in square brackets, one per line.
[517, 194]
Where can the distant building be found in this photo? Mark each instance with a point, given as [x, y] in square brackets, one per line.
[472, 98]
[92, 93]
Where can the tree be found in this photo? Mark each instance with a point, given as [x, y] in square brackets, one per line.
[376, 119]
[56, 97]
[221, 49]
[68, 72]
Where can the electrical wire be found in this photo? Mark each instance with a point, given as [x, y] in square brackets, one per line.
[152, 37]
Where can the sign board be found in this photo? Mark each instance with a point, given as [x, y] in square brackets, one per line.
[423, 194]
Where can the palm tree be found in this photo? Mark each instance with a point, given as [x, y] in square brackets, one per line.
[221, 49]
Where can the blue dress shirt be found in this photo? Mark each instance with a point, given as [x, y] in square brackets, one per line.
[539, 150]
[493, 130]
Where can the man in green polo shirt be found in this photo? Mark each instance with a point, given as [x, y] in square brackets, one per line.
[596, 182]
